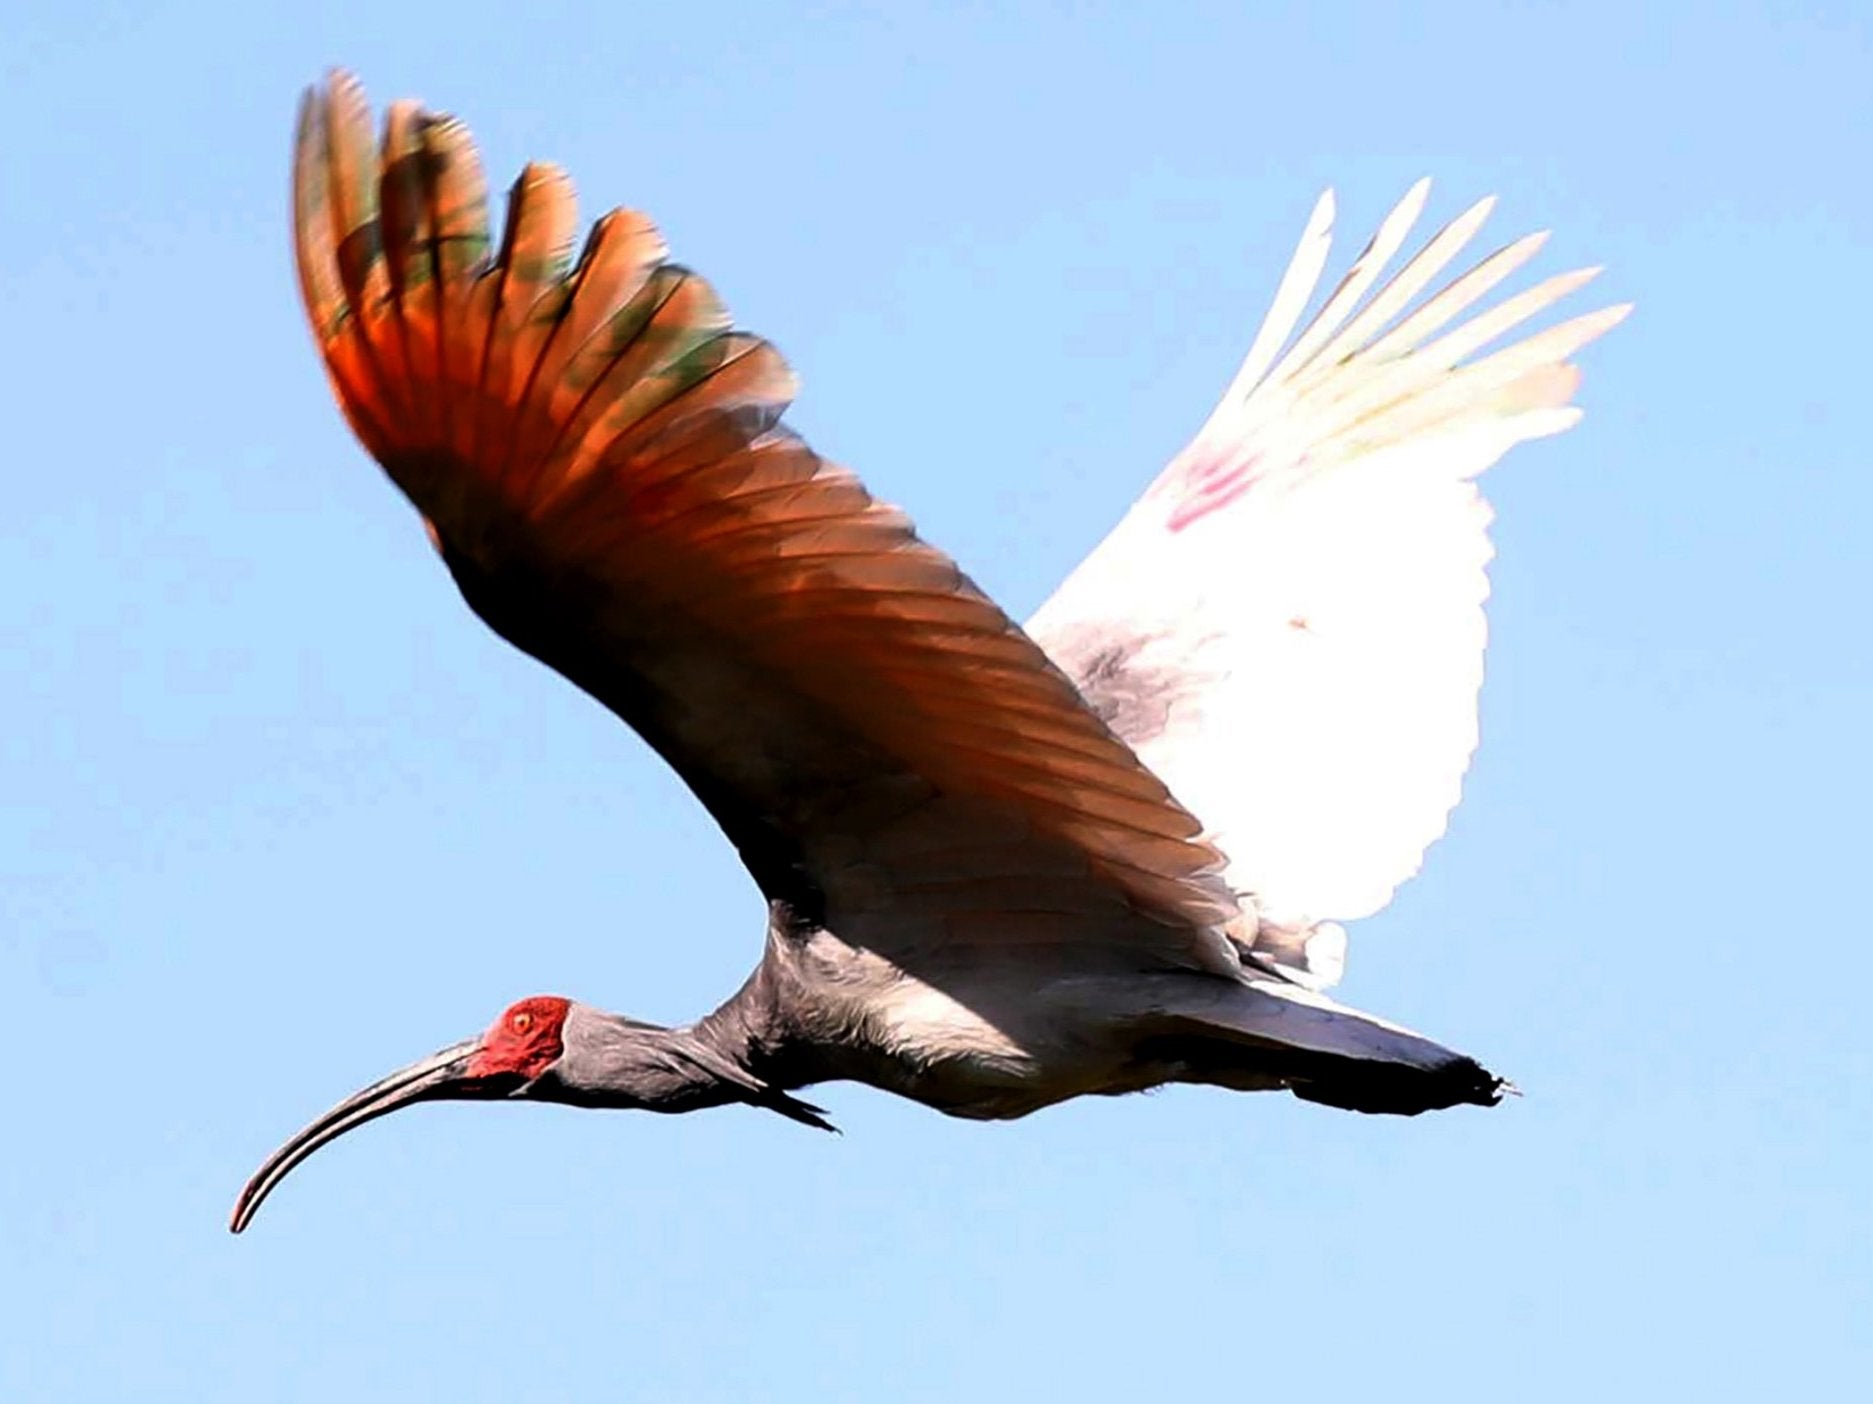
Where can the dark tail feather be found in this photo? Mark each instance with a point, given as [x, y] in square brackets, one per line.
[1269, 1033]
[1357, 1084]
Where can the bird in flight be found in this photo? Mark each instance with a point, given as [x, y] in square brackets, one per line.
[1004, 865]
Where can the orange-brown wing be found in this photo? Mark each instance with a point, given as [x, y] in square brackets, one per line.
[601, 462]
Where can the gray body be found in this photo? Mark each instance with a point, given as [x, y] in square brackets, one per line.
[984, 1032]
[995, 1039]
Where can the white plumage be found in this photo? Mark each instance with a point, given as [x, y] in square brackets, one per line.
[1288, 626]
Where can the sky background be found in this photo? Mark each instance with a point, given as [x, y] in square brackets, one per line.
[277, 814]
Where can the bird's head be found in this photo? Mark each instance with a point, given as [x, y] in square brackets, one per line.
[524, 1042]
[514, 1058]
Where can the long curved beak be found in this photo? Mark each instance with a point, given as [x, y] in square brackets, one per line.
[440, 1076]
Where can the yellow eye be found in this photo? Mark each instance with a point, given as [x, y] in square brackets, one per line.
[521, 1022]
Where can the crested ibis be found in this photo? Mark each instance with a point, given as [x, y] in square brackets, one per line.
[1004, 865]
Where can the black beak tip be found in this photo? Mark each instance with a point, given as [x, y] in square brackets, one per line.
[242, 1215]
[439, 1075]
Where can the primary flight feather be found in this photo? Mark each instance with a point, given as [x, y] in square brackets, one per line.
[1004, 867]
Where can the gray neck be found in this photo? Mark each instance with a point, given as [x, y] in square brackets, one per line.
[767, 1026]
[611, 1061]
[736, 1054]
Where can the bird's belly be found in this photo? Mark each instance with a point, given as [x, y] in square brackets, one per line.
[928, 1046]
[987, 1045]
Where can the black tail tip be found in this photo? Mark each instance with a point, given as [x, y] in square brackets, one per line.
[1396, 1089]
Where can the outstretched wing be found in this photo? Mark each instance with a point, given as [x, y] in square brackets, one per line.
[600, 460]
[1288, 626]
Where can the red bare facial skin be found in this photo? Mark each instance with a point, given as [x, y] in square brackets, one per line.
[525, 1040]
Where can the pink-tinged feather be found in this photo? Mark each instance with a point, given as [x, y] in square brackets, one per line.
[1288, 625]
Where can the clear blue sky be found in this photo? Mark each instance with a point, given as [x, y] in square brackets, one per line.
[277, 814]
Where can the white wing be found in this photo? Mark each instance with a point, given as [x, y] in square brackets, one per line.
[1288, 626]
